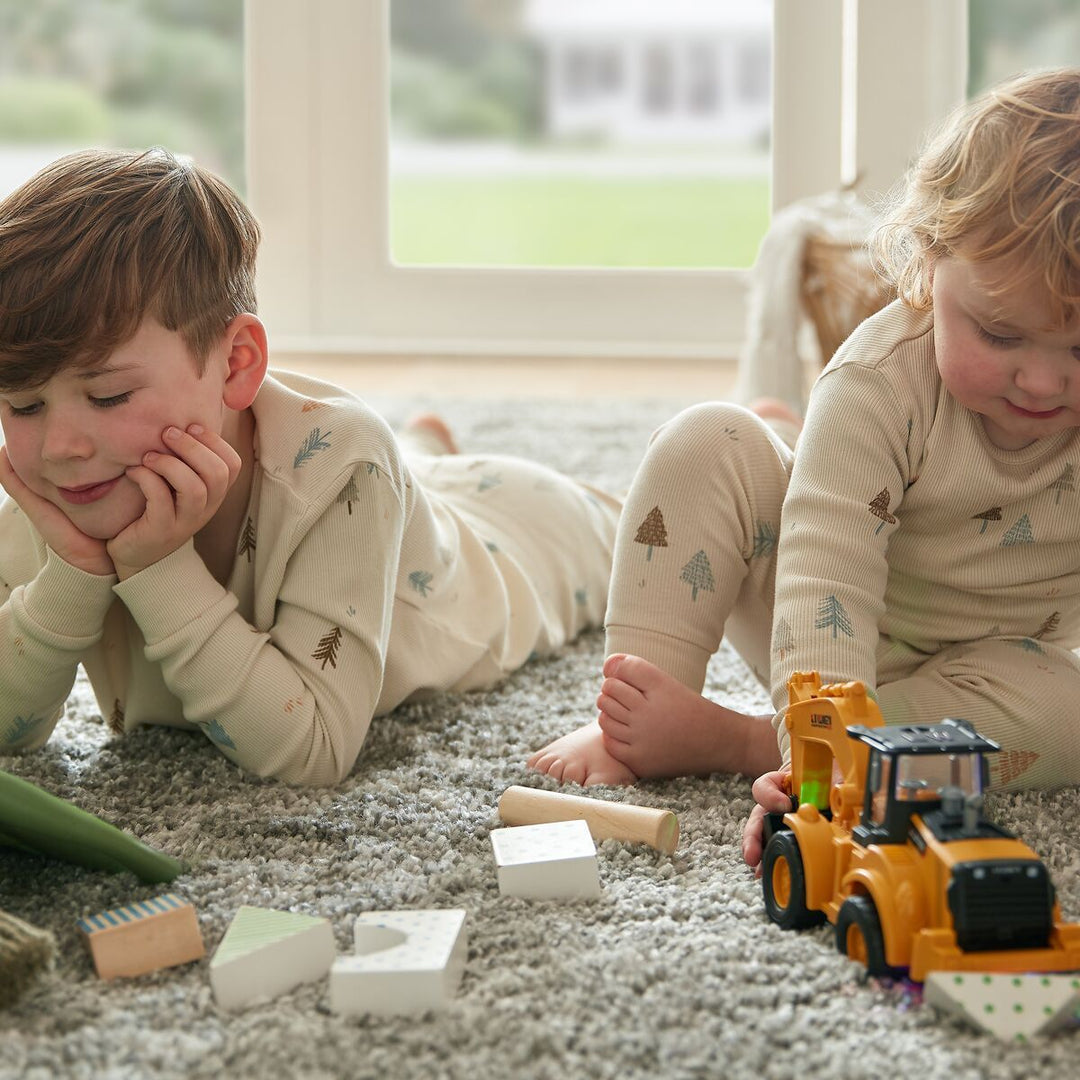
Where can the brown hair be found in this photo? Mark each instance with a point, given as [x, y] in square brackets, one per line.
[1000, 179]
[101, 239]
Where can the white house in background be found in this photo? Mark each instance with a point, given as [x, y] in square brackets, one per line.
[655, 70]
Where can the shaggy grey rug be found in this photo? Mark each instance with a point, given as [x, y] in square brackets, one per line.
[674, 972]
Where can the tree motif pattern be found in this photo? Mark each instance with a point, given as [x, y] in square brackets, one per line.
[1028, 645]
[1064, 482]
[697, 573]
[764, 540]
[247, 540]
[116, 718]
[22, 726]
[1049, 625]
[783, 638]
[652, 532]
[349, 494]
[1010, 764]
[315, 442]
[879, 507]
[420, 581]
[218, 735]
[993, 514]
[833, 616]
[1020, 533]
[327, 649]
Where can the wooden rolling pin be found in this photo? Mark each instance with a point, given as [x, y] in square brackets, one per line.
[606, 820]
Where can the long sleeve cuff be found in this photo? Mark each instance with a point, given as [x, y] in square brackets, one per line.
[171, 594]
[65, 603]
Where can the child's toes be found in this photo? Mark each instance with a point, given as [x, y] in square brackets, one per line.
[573, 772]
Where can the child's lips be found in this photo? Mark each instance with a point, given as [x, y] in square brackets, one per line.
[88, 493]
[1032, 414]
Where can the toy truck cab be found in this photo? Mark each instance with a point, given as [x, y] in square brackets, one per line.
[887, 841]
[922, 769]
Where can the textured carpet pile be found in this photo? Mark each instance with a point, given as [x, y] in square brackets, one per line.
[674, 972]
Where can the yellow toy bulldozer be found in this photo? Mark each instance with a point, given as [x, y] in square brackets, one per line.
[887, 841]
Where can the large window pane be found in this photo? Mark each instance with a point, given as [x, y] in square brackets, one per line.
[122, 73]
[605, 133]
[1010, 36]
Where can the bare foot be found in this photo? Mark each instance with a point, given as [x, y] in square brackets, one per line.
[656, 726]
[774, 409]
[432, 429]
[580, 758]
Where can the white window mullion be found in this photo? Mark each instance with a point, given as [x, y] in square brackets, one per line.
[807, 43]
[909, 69]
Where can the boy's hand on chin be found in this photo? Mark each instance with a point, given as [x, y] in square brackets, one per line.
[183, 492]
[56, 528]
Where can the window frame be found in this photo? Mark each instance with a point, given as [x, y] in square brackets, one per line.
[316, 79]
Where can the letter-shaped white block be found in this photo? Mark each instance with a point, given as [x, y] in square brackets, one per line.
[556, 861]
[265, 953]
[1012, 1007]
[405, 962]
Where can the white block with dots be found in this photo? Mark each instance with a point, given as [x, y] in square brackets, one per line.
[1012, 1007]
[265, 953]
[405, 962]
[555, 861]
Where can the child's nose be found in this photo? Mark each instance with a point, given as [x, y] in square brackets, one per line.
[1040, 378]
[64, 440]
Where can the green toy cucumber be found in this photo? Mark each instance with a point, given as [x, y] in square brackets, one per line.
[35, 821]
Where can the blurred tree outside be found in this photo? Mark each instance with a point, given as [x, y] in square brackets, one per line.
[1010, 36]
[130, 73]
[460, 70]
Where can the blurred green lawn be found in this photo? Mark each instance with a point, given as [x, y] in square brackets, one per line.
[578, 221]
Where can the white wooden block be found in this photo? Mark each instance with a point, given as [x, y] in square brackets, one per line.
[556, 861]
[265, 953]
[405, 962]
[1012, 1007]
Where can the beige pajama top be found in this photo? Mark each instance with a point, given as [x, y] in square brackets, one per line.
[355, 586]
[902, 518]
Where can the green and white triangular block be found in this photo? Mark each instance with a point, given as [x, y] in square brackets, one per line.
[1012, 1007]
[265, 953]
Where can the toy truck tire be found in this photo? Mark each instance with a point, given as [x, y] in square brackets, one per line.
[784, 884]
[859, 936]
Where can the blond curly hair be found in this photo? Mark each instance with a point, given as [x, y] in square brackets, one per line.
[999, 180]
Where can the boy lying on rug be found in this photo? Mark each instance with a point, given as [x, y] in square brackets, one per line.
[248, 555]
[924, 537]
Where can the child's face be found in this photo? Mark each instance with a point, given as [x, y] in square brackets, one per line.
[996, 356]
[70, 440]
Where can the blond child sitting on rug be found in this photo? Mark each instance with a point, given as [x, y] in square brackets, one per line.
[925, 535]
[247, 555]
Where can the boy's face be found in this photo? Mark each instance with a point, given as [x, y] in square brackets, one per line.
[996, 356]
[70, 440]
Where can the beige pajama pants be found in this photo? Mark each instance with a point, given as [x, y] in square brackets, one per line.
[695, 559]
[551, 538]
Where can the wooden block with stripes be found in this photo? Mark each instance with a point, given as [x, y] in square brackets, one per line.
[143, 937]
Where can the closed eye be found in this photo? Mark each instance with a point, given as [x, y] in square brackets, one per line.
[110, 402]
[996, 339]
[24, 410]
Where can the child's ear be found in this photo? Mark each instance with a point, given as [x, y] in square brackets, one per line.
[245, 338]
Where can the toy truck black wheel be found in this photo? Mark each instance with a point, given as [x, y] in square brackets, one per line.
[783, 881]
[859, 936]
